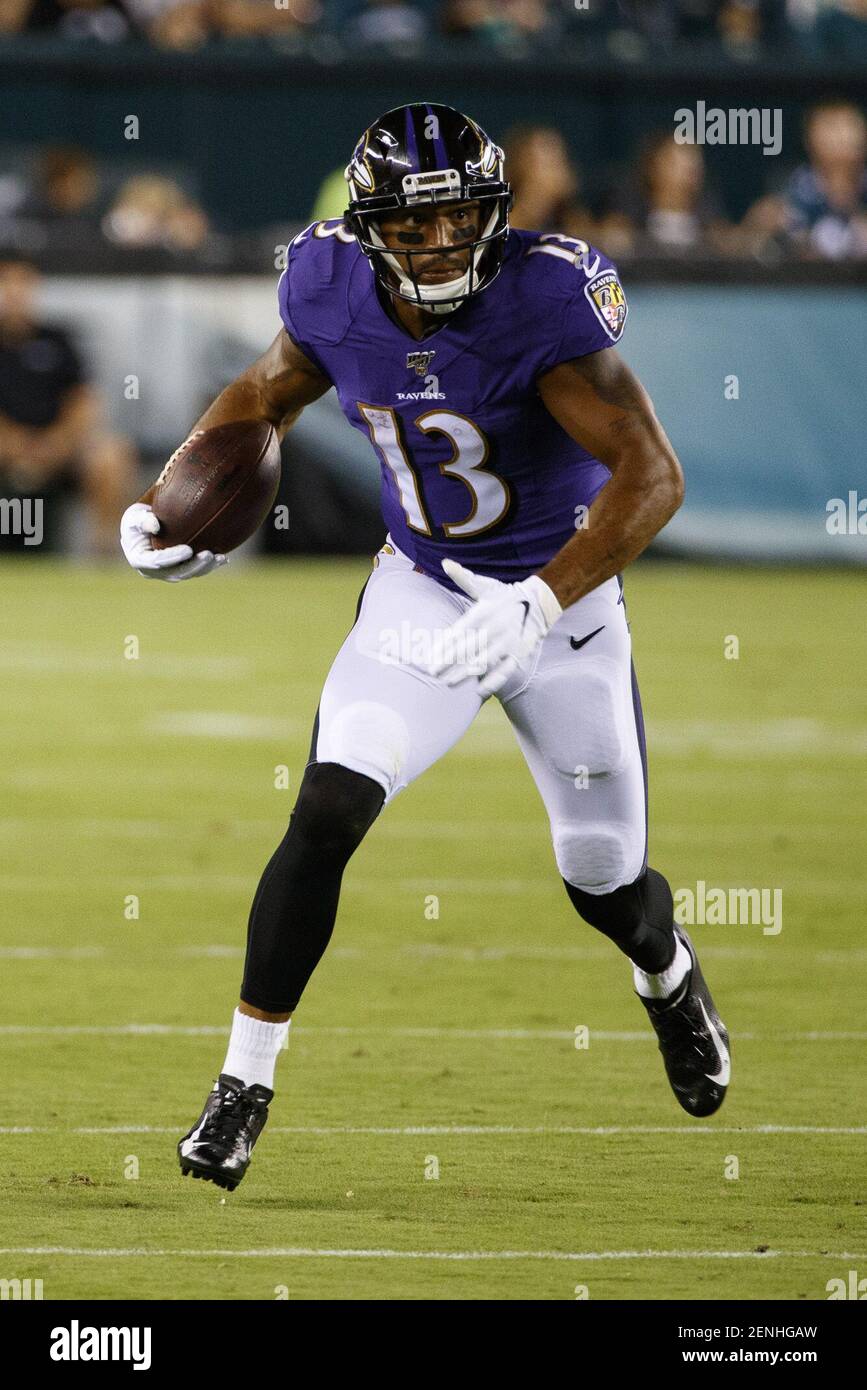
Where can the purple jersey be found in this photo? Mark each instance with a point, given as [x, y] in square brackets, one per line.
[473, 465]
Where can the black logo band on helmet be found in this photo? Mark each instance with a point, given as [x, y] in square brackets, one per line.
[425, 155]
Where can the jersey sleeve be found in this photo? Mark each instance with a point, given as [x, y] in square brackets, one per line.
[310, 292]
[314, 290]
[292, 313]
[591, 301]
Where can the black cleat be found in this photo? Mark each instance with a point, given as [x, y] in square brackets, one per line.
[219, 1145]
[693, 1041]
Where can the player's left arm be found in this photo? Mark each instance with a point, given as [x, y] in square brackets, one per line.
[603, 406]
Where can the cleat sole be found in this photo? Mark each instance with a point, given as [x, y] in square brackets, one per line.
[207, 1175]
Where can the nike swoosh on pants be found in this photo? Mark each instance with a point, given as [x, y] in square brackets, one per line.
[577, 643]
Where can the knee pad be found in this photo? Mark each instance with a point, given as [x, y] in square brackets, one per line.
[598, 858]
[369, 737]
[335, 808]
[592, 732]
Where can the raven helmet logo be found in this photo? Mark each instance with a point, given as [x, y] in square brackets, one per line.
[358, 171]
[420, 361]
[487, 165]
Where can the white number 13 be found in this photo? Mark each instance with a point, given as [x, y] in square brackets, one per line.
[490, 493]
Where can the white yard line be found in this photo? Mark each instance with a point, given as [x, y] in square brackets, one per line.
[231, 828]
[51, 952]
[304, 1252]
[476, 954]
[33, 659]
[492, 888]
[499, 1034]
[415, 1131]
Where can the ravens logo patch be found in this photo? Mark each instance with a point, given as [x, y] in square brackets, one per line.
[608, 302]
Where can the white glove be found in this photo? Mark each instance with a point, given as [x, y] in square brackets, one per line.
[137, 525]
[498, 633]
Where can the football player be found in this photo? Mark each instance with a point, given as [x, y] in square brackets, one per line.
[523, 468]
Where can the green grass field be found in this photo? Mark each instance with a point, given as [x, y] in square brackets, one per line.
[448, 1039]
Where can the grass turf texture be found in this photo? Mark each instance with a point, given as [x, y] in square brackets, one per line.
[155, 777]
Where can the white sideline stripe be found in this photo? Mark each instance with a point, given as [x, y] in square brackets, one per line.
[478, 887]
[67, 661]
[242, 883]
[412, 1131]
[51, 952]
[305, 1252]
[121, 827]
[765, 738]
[223, 724]
[503, 1034]
[480, 955]
[433, 950]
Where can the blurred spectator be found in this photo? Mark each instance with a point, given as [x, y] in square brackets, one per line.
[673, 211]
[106, 21]
[174, 24]
[501, 21]
[842, 29]
[152, 211]
[545, 182]
[389, 22]
[52, 436]
[740, 26]
[65, 188]
[822, 212]
[254, 18]
[182, 26]
[186, 24]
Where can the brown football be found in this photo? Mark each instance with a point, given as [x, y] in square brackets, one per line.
[218, 487]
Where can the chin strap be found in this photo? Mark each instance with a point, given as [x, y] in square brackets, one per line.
[448, 307]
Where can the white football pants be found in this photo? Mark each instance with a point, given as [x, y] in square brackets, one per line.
[574, 709]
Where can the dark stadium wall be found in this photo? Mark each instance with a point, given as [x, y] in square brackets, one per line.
[262, 130]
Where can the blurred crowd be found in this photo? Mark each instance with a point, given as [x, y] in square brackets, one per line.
[666, 205]
[631, 28]
[65, 189]
[53, 434]
[663, 203]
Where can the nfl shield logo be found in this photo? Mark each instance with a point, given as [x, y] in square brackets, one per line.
[419, 362]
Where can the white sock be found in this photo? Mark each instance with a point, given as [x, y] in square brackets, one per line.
[667, 981]
[253, 1049]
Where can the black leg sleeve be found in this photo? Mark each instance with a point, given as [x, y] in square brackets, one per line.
[293, 912]
[639, 918]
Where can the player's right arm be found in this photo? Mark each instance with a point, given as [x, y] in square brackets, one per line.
[275, 388]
